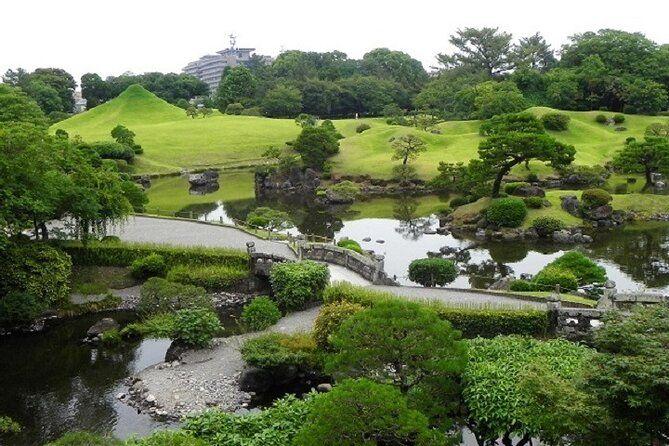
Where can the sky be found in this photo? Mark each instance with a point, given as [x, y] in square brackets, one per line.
[110, 37]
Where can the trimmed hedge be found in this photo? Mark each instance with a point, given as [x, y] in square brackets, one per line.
[510, 188]
[279, 350]
[260, 313]
[330, 318]
[296, 283]
[431, 272]
[152, 265]
[506, 212]
[210, 277]
[161, 296]
[522, 285]
[534, 202]
[585, 270]
[545, 226]
[595, 197]
[123, 254]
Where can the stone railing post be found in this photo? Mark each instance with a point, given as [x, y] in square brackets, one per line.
[379, 261]
[553, 307]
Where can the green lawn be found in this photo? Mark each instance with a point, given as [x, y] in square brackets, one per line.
[172, 141]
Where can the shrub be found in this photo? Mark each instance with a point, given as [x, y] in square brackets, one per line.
[234, 109]
[534, 202]
[260, 313]
[532, 177]
[37, 269]
[196, 326]
[158, 326]
[585, 270]
[458, 201]
[279, 350]
[211, 277]
[330, 318]
[152, 265]
[348, 243]
[346, 292]
[593, 198]
[550, 276]
[18, 308]
[110, 150]
[602, 119]
[555, 121]
[345, 190]
[167, 438]
[296, 283]
[582, 176]
[362, 127]
[432, 272]
[522, 285]
[84, 439]
[252, 111]
[110, 239]
[510, 188]
[506, 212]
[111, 338]
[618, 119]
[161, 296]
[546, 226]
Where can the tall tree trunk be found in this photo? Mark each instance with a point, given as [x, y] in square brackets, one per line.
[649, 179]
[498, 183]
[45, 231]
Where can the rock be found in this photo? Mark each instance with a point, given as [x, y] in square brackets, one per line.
[571, 205]
[480, 234]
[502, 283]
[324, 387]
[102, 326]
[175, 351]
[367, 239]
[380, 241]
[333, 197]
[144, 181]
[204, 178]
[562, 236]
[599, 213]
[150, 399]
[529, 191]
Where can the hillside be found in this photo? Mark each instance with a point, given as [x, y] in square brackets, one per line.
[172, 141]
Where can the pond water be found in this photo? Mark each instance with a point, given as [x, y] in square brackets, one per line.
[635, 257]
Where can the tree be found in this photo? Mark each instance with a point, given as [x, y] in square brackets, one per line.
[270, 219]
[501, 152]
[408, 148]
[395, 66]
[94, 90]
[45, 96]
[485, 50]
[496, 98]
[206, 111]
[192, 111]
[283, 101]
[16, 106]
[511, 122]
[629, 374]
[315, 145]
[60, 81]
[399, 343]
[645, 97]
[360, 412]
[533, 53]
[321, 98]
[368, 95]
[432, 272]
[651, 155]
[124, 135]
[306, 120]
[237, 85]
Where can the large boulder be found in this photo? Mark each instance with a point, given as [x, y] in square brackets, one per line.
[102, 326]
[598, 213]
[203, 178]
[529, 191]
[571, 205]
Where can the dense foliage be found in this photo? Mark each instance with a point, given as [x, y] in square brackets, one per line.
[585, 270]
[210, 277]
[260, 313]
[506, 212]
[152, 265]
[279, 350]
[161, 296]
[330, 317]
[196, 327]
[296, 283]
[546, 226]
[431, 272]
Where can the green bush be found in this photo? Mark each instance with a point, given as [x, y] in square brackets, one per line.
[18, 308]
[123, 254]
[550, 276]
[362, 127]
[346, 292]
[330, 318]
[350, 244]
[296, 283]
[152, 265]
[593, 198]
[556, 121]
[459, 201]
[534, 202]
[110, 239]
[210, 277]
[84, 439]
[252, 111]
[345, 190]
[111, 338]
[260, 313]
[510, 188]
[602, 119]
[234, 109]
[522, 285]
[9, 426]
[196, 326]
[618, 119]
[432, 272]
[161, 296]
[157, 326]
[532, 177]
[545, 226]
[167, 438]
[37, 269]
[280, 350]
[585, 270]
[506, 212]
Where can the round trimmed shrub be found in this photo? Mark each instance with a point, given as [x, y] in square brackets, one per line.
[209, 277]
[593, 198]
[546, 226]
[618, 118]
[260, 313]
[350, 244]
[521, 285]
[534, 202]
[330, 318]
[362, 127]
[17, 308]
[601, 119]
[556, 121]
[196, 327]
[152, 265]
[296, 283]
[550, 276]
[458, 201]
[585, 270]
[432, 272]
[234, 109]
[507, 212]
[510, 188]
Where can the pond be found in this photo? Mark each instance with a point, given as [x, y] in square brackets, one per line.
[635, 257]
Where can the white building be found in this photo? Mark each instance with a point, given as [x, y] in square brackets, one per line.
[79, 102]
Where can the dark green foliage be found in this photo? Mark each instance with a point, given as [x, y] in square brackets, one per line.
[234, 109]
[458, 201]
[152, 265]
[545, 226]
[260, 313]
[16, 106]
[551, 276]
[490, 323]
[362, 127]
[534, 202]
[167, 438]
[618, 119]
[510, 188]
[585, 270]
[602, 119]
[506, 212]
[315, 145]
[237, 85]
[296, 283]
[18, 308]
[522, 285]
[432, 272]
[648, 156]
[209, 277]
[350, 244]
[362, 409]
[282, 101]
[279, 350]
[161, 296]
[85, 439]
[9, 426]
[125, 136]
[556, 121]
[196, 327]
[593, 198]
[330, 317]
[511, 122]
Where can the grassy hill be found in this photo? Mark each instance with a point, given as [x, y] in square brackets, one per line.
[172, 141]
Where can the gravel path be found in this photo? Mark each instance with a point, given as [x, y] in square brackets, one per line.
[207, 377]
[457, 297]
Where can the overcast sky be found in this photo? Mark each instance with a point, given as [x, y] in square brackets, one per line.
[110, 37]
